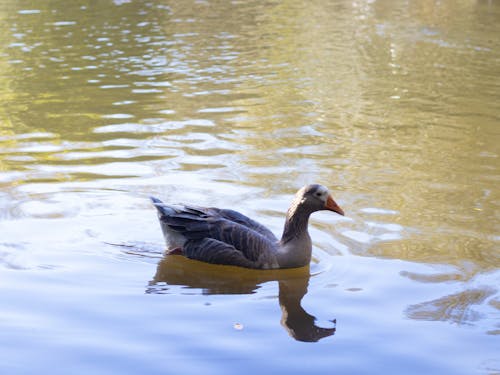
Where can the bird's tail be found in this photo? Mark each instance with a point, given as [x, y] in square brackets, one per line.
[163, 209]
[155, 200]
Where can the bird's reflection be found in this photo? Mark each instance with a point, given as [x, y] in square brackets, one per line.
[214, 279]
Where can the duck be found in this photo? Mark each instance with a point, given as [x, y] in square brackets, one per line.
[227, 237]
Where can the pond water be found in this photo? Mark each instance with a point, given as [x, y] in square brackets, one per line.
[237, 104]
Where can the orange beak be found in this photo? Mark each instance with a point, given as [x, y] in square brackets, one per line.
[333, 206]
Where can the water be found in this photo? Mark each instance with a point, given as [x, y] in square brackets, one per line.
[239, 104]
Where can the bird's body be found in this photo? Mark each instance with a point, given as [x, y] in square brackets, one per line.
[223, 236]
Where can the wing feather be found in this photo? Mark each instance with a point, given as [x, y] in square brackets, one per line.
[219, 235]
[216, 252]
[245, 221]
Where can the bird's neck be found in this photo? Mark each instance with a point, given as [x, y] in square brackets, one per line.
[295, 245]
[297, 219]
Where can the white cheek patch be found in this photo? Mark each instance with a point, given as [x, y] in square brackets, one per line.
[324, 192]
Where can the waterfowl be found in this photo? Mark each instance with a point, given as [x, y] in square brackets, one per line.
[223, 236]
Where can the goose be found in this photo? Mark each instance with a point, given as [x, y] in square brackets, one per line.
[227, 237]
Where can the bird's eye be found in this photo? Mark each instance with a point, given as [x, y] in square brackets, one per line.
[318, 194]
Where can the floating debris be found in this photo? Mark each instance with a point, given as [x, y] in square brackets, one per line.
[238, 326]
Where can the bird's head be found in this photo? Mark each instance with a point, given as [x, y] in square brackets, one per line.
[317, 197]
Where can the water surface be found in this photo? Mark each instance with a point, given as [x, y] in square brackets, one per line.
[239, 104]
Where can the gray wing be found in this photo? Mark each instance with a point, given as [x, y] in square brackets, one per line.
[216, 252]
[235, 236]
[246, 221]
[204, 212]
